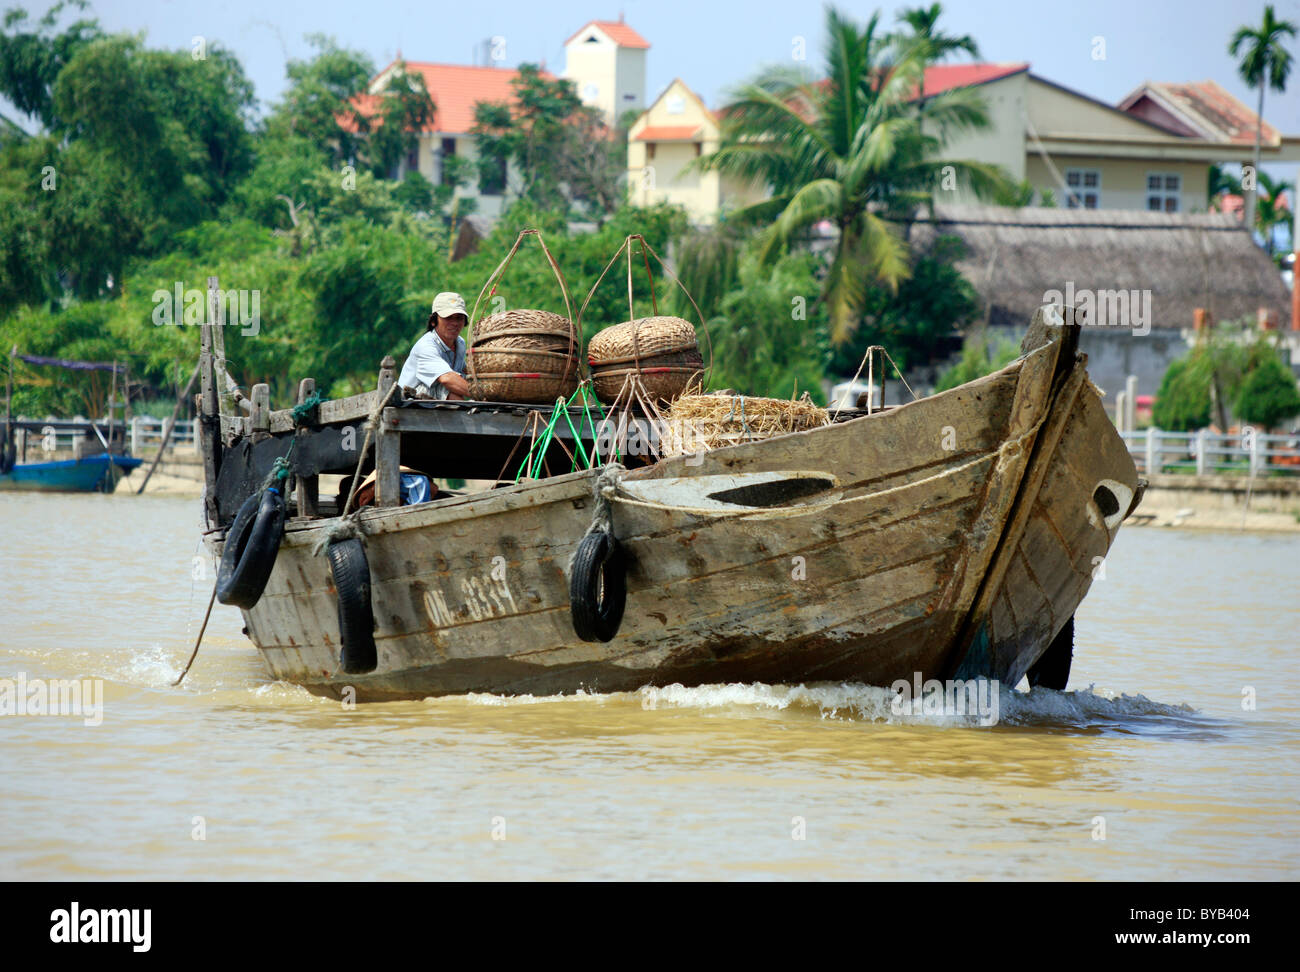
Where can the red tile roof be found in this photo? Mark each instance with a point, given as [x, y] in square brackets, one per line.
[1206, 107]
[668, 133]
[455, 90]
[619, 32]
[945, 77]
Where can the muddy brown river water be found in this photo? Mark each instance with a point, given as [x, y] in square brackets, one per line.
[1149, 767]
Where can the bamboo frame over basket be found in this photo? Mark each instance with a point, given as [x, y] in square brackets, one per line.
[527, 364]
[647, 338]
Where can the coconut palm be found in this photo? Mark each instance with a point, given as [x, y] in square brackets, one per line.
[1270, 214]
[1265, 62]
[848, 150]
[939, 46]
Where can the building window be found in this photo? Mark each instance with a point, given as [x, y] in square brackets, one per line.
[649, 150]
[1163, 190]
[1085, 188]
[676, 105]
[699, 147]
[413, 160]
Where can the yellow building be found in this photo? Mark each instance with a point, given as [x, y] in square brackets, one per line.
[1091, 155]
[1152, 152]
[605, 60]
[670, 135]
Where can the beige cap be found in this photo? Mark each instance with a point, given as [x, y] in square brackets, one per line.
[447, 303]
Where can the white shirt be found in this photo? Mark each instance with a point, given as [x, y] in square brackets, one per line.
[429, 359]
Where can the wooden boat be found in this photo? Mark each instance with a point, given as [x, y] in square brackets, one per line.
[100, 458]
[953, 536]
[99, 473]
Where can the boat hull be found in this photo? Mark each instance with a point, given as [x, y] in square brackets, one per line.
[98, 473]
[907, 562]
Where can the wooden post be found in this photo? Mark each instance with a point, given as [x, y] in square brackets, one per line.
[167, 432]
[261, 418]
[217, 316]
[308, 492]
[388, 446]
[209, 415]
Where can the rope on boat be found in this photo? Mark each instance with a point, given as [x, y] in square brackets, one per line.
[1007, 453]
[604, 491]
[280, 471]
[195, 653]
[344, 528]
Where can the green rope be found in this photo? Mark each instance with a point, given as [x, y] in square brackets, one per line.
[300, 412]
[282, 468]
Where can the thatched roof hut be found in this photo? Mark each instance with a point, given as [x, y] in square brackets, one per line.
[1187, 260]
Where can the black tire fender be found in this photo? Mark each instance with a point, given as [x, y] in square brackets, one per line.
[252, 543]
[1052, 670]
[351, 573]
[599, 568]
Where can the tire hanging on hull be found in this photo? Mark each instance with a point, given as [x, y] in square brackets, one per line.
[597, 587]
[252, 543]
[351, 573]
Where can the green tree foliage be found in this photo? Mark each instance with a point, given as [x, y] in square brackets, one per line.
[1183, 399]
[762, 343]
[31, 57]
[848, 150]
[914, 322]
[319, 105]
[1268, 394]
[977, 360]
[151, 174]
[405, 108]
[560, 149]
[1264, 62]
[1199, 387]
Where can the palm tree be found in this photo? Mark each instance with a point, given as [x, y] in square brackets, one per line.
[849, 150]
[1265, 63]
[938, 45]
[1270, 214]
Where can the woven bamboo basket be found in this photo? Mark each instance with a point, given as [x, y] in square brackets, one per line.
[535, 388]
[642, 338]
[664, 377]
[543, 327]
[527, 356]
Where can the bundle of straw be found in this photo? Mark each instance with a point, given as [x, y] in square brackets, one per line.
[703, 422]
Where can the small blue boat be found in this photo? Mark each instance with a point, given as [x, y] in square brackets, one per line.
[93, 474]
[96, 473]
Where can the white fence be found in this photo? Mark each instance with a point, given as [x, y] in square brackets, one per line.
[1206, 453]
[147, 435]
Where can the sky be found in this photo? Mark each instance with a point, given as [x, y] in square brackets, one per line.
[714, 44]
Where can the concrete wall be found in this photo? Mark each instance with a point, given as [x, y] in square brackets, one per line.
[1115, 353]
[1003, 143]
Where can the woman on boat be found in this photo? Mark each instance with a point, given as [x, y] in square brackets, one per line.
[435, 368]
